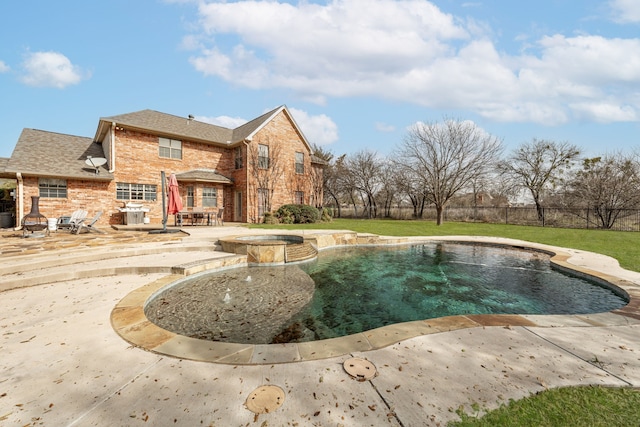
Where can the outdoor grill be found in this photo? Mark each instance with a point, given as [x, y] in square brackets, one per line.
[133, 213]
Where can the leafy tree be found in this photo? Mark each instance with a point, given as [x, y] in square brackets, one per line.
[538, 166]
[447, 157]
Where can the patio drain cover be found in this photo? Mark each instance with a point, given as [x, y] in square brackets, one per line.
[360, 369]
[265, 399]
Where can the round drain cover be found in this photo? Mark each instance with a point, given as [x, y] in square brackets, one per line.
[265, 399]
[360, 369]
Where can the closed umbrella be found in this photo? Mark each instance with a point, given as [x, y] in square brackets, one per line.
[175, 202]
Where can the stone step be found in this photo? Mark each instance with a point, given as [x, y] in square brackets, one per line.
[300, 252]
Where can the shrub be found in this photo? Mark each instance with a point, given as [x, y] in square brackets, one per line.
[297, 214]
[327, 215]
[269, 218]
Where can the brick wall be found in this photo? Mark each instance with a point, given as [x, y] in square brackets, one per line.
[138, 162]
[284, 141]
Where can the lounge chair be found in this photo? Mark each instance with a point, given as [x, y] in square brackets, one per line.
[73, 221]
[88, 225]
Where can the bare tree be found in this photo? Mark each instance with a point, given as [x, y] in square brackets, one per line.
[320, 183]
[607, 186]
[539, 166]
[364, 171]
[266, 172]
[446, 157]
[332, 182]
[389, 191]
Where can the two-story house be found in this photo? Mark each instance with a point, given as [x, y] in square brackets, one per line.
[247, 171]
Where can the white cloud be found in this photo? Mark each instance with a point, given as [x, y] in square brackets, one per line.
[224, 121]
[626, 11]
[384, 127]
[4, 67]
[410, 51]
[50, 69]
[318, 129]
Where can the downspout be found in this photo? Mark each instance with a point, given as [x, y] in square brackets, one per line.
[20, 198]
[246, 207]
[112, 160]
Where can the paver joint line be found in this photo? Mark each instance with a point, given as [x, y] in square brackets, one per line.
[566, 350]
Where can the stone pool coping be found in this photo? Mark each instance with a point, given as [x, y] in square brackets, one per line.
[129, 321]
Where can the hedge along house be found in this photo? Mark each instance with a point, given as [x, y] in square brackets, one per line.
[248, 171]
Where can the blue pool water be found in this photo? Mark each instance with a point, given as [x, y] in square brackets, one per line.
[362, 288]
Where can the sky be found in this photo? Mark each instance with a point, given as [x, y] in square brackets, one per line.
[355, 74]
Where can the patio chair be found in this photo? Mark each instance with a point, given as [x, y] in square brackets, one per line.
[198, 215]
[89, 226]
[218, 219]
[76, 218]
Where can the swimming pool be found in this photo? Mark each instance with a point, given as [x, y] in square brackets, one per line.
[354, 289]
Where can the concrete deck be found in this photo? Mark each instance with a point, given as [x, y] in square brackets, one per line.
[64, 364]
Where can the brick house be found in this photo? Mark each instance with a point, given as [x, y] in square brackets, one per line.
[246, 171]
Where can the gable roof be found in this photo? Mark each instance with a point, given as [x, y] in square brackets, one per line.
[186, 128]
[56, 155]
[168, 125]
[248, 130]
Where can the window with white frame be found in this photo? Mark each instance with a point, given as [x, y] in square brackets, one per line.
[263, 196]
[170, 148]
[54, 188]
[239, 162]
[299, 197]
[128, 191]
[209, 197]
[299, 162]
[263, 156]
[190, 196]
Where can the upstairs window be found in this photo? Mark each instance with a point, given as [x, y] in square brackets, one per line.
[127, 191]
[299, 162]
[170, 148]
[54, 188]
[263, 156]
[209, 197]
[238, 157]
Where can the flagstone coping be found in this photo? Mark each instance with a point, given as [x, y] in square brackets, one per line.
[129, 321]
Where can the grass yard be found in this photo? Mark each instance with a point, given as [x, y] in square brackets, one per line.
[621, 245]
[573, 406]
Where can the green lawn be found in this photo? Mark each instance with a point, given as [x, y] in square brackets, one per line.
[573, 406]
[624, 246]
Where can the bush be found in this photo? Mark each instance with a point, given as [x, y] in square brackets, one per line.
[297, 214]
[327, 215]
[270, 219]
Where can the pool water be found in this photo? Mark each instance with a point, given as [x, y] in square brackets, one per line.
[363, 288]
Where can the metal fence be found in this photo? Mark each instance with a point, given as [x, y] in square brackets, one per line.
[614, 219]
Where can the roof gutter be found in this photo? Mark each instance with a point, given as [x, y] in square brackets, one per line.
[112, 149]
[20, 199]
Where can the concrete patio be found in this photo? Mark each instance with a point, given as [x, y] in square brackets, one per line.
[64, 364]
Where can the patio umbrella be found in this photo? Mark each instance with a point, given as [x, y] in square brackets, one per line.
[175, 202]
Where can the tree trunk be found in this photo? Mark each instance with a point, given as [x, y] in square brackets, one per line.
[439, 215]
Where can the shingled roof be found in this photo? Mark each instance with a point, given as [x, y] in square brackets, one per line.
[203, 175]
[3, 167]
[168, 125]
[55, 155]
